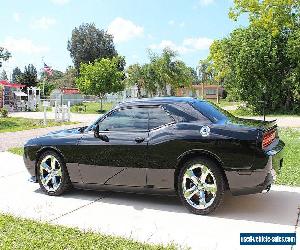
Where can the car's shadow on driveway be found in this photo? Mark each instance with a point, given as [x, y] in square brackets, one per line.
[277, 207]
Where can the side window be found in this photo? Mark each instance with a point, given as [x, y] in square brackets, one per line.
[184, 112]
[158, 117]
[126, 119]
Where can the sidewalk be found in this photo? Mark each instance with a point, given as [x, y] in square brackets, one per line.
[157, 219]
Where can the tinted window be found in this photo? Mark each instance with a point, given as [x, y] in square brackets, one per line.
[158, 117]
[184, 112]
[211, 111]
[128, 119]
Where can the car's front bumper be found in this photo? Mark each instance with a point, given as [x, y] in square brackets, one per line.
[255, 181]
[29, 164]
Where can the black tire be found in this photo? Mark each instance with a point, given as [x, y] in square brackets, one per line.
[218, 179]
[65, 183]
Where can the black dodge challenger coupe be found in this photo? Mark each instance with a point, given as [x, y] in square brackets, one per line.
[173, 145]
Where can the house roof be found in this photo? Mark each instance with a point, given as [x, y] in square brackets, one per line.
[11, 85]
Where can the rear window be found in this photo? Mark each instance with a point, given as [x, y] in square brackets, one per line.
[211, 111]
[184, 112]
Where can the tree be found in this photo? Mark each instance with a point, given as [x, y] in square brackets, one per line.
[57, 80]
[261, 62]
[101, 77]
[89, 43]
[56, 74]
[16, 74]
[29, 76]
[4, 55]
[68, 79]
[167, 70]
[163, 70]
[205, 71]
[3, 75]
[135, 76]
[193, 74]
[272, 15]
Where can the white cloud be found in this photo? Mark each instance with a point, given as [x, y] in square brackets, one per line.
[16, 16]
[149, 36]
[200, 43]
[43, 23]
[124, 30]
[169, 44]
[171, 22]
[176, 24]
[188, 45]
[206, 2]
[60, 2]
[22, 45]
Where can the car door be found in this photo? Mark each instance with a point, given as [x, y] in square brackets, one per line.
[120, 160]
[161, 149]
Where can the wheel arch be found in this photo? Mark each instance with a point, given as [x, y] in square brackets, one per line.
[186, 156]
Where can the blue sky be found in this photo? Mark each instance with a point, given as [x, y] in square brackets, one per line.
[35, 29]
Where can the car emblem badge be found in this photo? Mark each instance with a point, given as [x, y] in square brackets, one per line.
[205, 131]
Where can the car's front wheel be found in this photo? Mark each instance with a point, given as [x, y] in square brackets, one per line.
[52, 174]
[201, 186]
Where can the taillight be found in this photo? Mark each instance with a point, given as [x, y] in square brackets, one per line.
[268, 138]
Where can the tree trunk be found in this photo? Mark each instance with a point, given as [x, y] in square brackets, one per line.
[139, 91]
[101, 102]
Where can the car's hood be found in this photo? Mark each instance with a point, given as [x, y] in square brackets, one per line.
[64, 135]
[65, 132]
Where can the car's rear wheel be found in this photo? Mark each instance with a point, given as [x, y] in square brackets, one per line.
[201, 186]
[52, 174]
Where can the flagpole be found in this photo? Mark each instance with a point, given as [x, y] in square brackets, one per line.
[44, 77]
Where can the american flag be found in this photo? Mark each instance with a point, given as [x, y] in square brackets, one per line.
[48, 69]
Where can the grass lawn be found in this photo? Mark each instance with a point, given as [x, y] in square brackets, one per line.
[224, 103]
[12, 124]
[19, 233]
[17, 150]
[91, 108]
[290, 173]
[247, 112]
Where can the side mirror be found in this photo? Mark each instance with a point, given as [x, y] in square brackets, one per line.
[96, 130]
[102, 137]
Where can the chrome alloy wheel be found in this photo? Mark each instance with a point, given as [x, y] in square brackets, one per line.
[50, 173]
[199, 186]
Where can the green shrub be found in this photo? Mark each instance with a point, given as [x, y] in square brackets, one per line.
[4, 112]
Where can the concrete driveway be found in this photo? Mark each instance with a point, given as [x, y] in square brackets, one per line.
[156, 219]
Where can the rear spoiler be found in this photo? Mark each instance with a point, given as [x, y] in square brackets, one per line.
[268, 125]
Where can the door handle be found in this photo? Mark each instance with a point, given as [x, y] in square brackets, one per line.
[139, 139]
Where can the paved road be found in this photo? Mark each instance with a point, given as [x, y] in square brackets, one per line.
[154, 219]
[18, 139]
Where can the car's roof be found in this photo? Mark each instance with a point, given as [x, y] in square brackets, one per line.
[158, 100]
